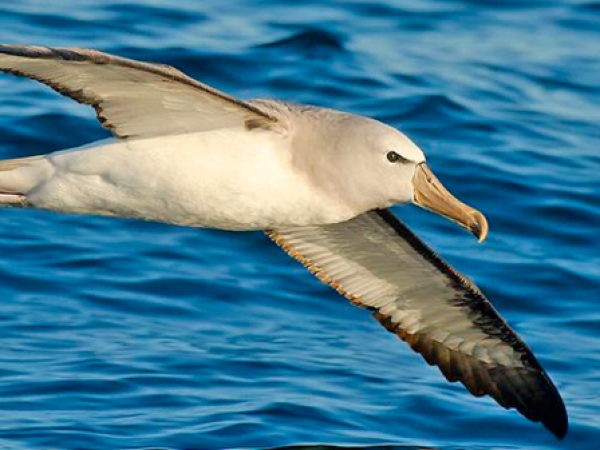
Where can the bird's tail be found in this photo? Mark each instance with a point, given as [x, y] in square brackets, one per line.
[18, 177]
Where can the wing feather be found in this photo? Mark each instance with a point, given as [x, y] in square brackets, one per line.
[132, 98]
[379, 264]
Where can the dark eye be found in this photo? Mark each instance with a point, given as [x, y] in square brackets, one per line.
[394, 157]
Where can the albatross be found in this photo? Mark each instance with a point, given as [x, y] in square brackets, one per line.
[319, 182]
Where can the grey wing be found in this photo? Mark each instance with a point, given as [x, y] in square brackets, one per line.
[378, 263]
[131, 98]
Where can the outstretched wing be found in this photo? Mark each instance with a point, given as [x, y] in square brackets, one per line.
[131, 98]
[378, 263]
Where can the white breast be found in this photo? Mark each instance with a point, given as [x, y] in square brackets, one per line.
[230, 179]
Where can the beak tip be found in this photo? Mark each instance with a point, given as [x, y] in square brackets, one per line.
[430, 194]
[480, 227]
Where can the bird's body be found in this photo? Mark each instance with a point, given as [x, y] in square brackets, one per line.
[231, 178]
[197, 179]
[317, 181]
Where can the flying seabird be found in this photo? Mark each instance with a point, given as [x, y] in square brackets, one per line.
[318, 181]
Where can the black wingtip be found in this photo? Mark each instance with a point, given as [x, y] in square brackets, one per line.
[554, 413]
[557, 422]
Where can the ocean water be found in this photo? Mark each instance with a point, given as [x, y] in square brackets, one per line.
[117, 334]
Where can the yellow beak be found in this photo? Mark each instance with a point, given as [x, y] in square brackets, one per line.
[430, 194]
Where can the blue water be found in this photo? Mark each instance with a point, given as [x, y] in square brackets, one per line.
[120, 334]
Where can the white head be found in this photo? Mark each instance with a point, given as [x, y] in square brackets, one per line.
[379, 166]
[385, 157]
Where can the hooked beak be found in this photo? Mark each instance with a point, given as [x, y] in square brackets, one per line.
[430, 194]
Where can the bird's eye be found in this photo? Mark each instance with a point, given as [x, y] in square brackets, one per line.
[395, 157]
